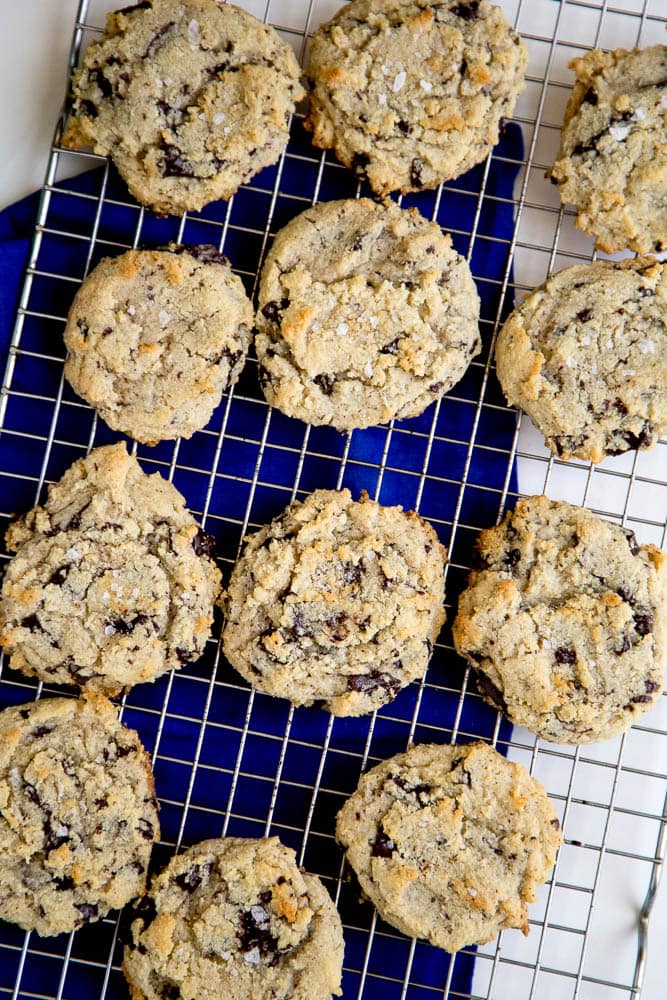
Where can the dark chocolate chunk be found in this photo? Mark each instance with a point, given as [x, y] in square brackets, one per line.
[513, 557]
[555, 824]
[204, 544]
[624, 647]
[383, 846]
[352, 572]
[391, 347]
[205, 253]
[489, 691]
[367, 683]
[590, 97]
[41, 731]
[184, 656]
[417, 172]
[565, 654]
[192, 878]
[325, 382]
[651, 687]
[172, 163]
[31, 622]
[154, 42]
[97, 77]
[584, 315]
[87, 910]
[273, 310]
[142, 5]
[122, 627]
[405, 127]
[468, 11]
[145, 828]
[643, 621]
[632, 541]
[255, 933]
[64, 884]
[358, 242]
[359, 163]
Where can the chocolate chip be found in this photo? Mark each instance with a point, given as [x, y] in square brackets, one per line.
[359, 163]
[565, 654]
[64, 884]
[255, 933]
[513, 557]
[142, 5]
[351, 572]
[169, 991]
[83, 327]
[489, 691]
[624, 647]
[383, 846]
[41, 731]
[651, 687]
[172, 163]
[145, 828]
[625, 595]
[273, 310]
[555, 824]
[358, 242]
[641, 699]
[620, 406]
[205, 253]
[325, 382]
[405, 127]
[367, 683]
[87, 910]
[31, 622]
[192, 878]
[122, 627]
[153, 44]
[391, 347]
[97, 77]
[184, 656]
[642, 440]
[204, 544]
[468, 11]
[643, 621]
[590, 97]
[417, 172]
[584, 315]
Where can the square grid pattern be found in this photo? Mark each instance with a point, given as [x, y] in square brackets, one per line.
[230, 761]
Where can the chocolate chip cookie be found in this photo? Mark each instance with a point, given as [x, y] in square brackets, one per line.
[78, 814]
[612, 163]
[336, 601]
[155, 337]
[450, 842]
[585, 355]
[234, 918]
[410, 93]
[112, 582]
[190, 98]
[366, 313]
[565, 621]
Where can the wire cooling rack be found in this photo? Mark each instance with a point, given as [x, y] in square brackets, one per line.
[231, 761]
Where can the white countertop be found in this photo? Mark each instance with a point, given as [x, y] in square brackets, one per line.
[34, 46]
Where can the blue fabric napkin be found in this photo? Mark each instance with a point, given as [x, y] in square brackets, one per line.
[97, 204]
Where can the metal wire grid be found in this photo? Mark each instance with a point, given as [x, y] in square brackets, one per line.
[565, 955]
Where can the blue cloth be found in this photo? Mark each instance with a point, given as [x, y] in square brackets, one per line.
[70, 222]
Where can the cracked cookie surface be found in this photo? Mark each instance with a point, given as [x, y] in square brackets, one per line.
[78, 814]
[336, 601]
[366, 313]
[450, 842]
[154, 338]
[585, 356]
[234, 918]
[565, 621]
[112, 582]
[190, 98]
[612, 162]
[410, 93]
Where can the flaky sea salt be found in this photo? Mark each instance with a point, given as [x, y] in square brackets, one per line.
[109, 629]
[72, 553]
[368, 370]
[193, 33]
[218, 118]
[342, 329]
[585, 341]
[425, 85]
[252, 956]
[647, 347]
[619, 132]
[399, 81]
[131, 310]
[382, 99]
[164, 317]
[638, 115]
[373, 320]
[570, 362]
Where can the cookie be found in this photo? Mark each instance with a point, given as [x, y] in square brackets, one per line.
[234, 918]
[78, 814]
[366, 313]
[612, 162]
[190, 98]
[336, 601]
[585, 355]
[154, 338]
[410, 93]
[450, 842]
[565, 621]
[112, 582]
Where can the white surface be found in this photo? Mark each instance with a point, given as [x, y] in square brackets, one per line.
[33, 67]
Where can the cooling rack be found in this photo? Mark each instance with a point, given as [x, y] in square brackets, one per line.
[228, 760]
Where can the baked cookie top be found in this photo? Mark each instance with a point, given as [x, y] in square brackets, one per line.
[450, 842]
[78, 814]
[366, 313]
[410, 93]
[612, 163]
[585, 355]
[565, 620]
[112, 582]
[336, 601]
[190, 98]
[154, 338]
[234, 918]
